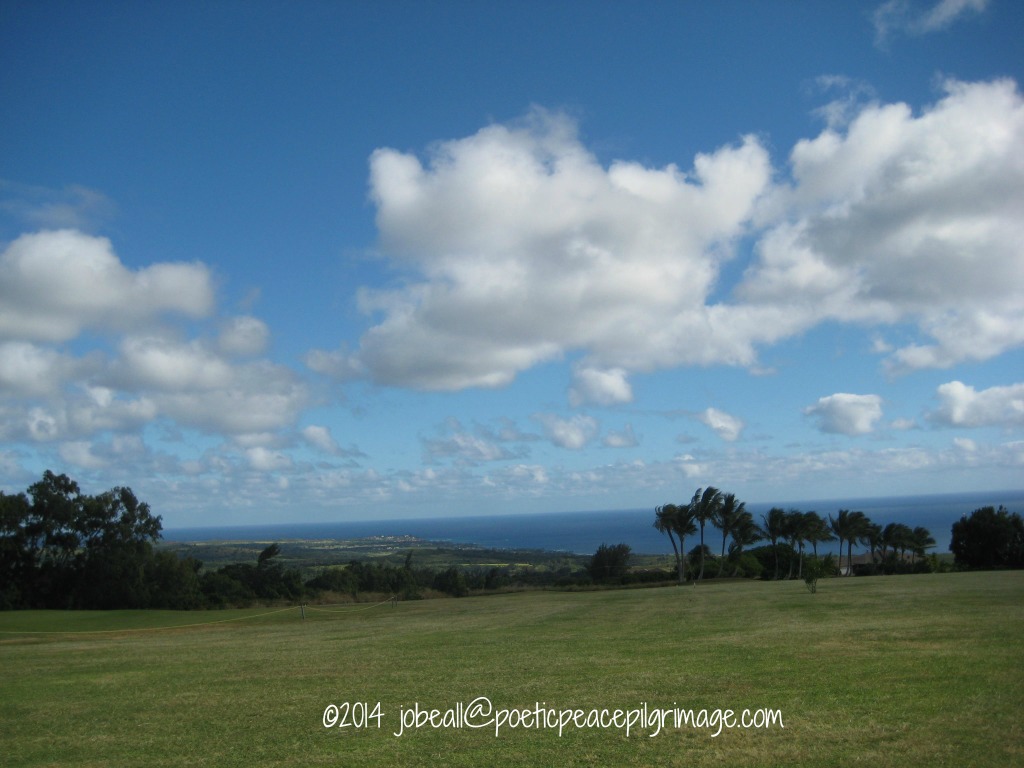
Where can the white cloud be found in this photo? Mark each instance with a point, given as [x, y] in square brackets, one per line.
[79, 453]
[72, 207]
[320, 438]
[265, 460]
[258, 397]
[965, 444]
[601, 387]
[904, 16]
[846, 414]
[520, 248]
[573, 433]
[724, 425]
[524, 248]
[55, 284]
[963, 406]
[30, 370]
[905, 218]
[163, 364]
[471, 448]
[191, 383]
[624, 438]
[244, 336]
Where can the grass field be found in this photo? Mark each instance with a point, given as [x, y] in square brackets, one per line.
[911, 670]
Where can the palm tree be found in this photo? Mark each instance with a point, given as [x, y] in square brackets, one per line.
[664, 521]
[773, 530]
[744, 533]
[897, 536]
[705, 506]
[817, 530]
[683, 525]
[793, 529]
[873, 538]
[849, 527]
[860, 525]
[923, 540]
[725, 518]
[676, 521]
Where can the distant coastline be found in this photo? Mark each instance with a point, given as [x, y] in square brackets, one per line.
[582, 532]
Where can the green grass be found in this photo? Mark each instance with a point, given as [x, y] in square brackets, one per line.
[911, 670]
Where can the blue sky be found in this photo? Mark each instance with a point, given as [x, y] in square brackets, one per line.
[267, 261]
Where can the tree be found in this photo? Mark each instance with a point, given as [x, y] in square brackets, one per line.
[989, 538]
[115, 563]
[816, 530]
[873, 538]
[744, 533]
[609, 563]
[676, 520]
[850, 527]
[922, 540]
[773, 530]
[51, 540]
[794, 530]
[705, 507]
[664, 521]
[452, 581]
[896, 537]
[15, 564]
[726, 518]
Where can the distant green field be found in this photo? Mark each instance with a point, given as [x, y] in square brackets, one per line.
[885, 671]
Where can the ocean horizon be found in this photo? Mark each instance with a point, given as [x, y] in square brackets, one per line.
[582, 532]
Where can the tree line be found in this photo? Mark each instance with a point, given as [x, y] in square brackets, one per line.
[789, 534]
[60, 548]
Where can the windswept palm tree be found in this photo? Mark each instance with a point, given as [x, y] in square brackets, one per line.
[793, 529]
[850, 527]
[704, 507]
[817, 531]
[839, 526]
[676, 521]
[860, 526]
[774, 529]
[726, 518]
[744, 533]
[664, 521]
[923, 540]
[873, 538]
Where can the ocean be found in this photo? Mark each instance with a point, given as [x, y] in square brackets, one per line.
[584, 532]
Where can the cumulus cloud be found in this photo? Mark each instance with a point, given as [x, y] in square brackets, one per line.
[518, 247]
[600, 387]
[962, 405]
[904, 16]
[624, 438]
[524, 248]
[55, 284]
[79, 454]
[266, 460]
[31, 370]
[244, 336]
[846, 414]
[724, 425]
[903, 218]
[320, 438]
[573, 433]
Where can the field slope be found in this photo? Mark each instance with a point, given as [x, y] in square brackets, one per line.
[913, 670]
